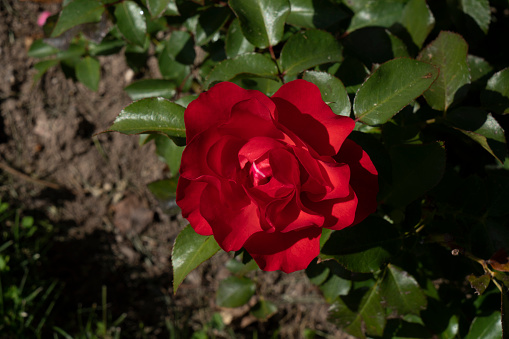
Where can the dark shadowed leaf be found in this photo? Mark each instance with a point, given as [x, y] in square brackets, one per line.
[249, 64]
[76, 13]
[418, 20]
[180, 47]
[449, 53]
[377, 13]
[148, 88]
[189, 251]
[401, 292]
[390, 88]
[416, 170]
[364, 247]
[88, 72]
[479, 10]
[209, 23]
[131, 22]
[486, 327]
[234, 291]
[263, 309]
[368, 318]
[332, 89]
[236, 43]
[314, 13]
[262, 21]
[308, 49]
[479, 283]
[151, 115]
[496, 95]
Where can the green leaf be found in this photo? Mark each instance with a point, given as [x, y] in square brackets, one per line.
[377, 13]
[390, 88]
[76, 13]
[479, 283]
[40, 49]
[308, 49]
[314, 13]
[157, 7]
[88, 72]
[479, 67]
[43, 66]
[189, 251]
[449, 53]
[169, 152]
[151, 115]
[131, 22]
[418, 21]
[496, 95]
[266, 86]
[244, 65]
[148, 88]
[486, 327]
[368, 318]
[332, 89]
[363, 247]
[180, 47]
[479, 10]
[263, 309]
[209, 23]
[164, 189]
[415, 170]
[335, 286]
[401, 292]
[234, 291]
[262, 21]
[106, 47]
[505, 311]
[236, 43]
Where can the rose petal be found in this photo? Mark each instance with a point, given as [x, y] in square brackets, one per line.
[291, 215]
[214, 106]
[300, 108]
[289, 252]
[222, 157]
[256, 147]
[188, 197]
[232, 216]
[363, 179]
[338, 177]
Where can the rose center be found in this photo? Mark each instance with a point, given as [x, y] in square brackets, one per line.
[260, 172]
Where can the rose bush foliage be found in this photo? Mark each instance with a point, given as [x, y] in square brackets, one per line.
[267, 174]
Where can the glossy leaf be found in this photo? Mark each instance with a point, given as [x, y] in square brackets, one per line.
[263, 309]
[496, 95]
[314, 13]
[151, 115]
[262, 21]
[76, 13]
[401, 292]
[418, 20]
[236, 43]
[148, 88]
[365, 247]
[157, 7]
[332, 89]
[264, 85]
[88, 72]
[234, 291]
[368, 318]
[479, 283]
[308, 49]
[486, 327]
[479, 10]
[377, 13]
[390, 88]
[449, 53]
[131, 22]
[416, 169]
[250, 64]
[189, 251]
[40, 49]
[479, 67]
[209, 23]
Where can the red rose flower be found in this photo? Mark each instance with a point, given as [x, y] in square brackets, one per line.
[267, 174]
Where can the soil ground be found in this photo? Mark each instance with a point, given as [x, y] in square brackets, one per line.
[111, 230]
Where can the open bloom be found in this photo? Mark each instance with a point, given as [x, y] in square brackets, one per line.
[267, 174]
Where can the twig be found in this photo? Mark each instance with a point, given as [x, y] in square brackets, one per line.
[25, 177]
